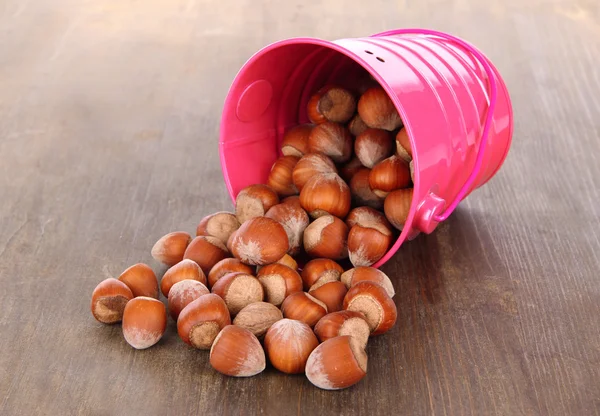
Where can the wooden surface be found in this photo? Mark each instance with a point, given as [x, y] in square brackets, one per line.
[109, 114]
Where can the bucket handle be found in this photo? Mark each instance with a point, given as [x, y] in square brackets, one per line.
[491, 75]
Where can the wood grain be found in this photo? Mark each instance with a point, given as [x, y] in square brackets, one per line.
[109, 115]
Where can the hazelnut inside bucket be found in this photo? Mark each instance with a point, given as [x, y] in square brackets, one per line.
[452, 101]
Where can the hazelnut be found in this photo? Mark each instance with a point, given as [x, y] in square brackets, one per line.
[201, 320]
[342, 323]
[289, 261]
[169, 248]
[331, 139]
[397, 207]
[309, 166]
[182, 294]
[184, 270]
[140, 278]
[226, 266]
[326, 194]
[350, 169]
[378, 111]
[294, 199]
[286, 260]
[361, 190]
[320, 271]
[295, 140]
[254, 201]
[326, 237]
[279, 282]
[144, 322]
[337, 363]
[229, 241]
[330, 293]
[357, 125]
[370, 236]
[280, 177]
[206, 251]
[220, 225]
[388, 175]
[288, 344]
[372, 146]
[258, 317]
[109, 299]
[236, 352]
[303, 307]
[260, 241]
[403, 148]
[331, 103]
[238, 290]
[374, 303]
[294, 220]
[360, 274]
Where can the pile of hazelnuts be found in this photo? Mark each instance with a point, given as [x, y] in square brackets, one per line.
[333, 202]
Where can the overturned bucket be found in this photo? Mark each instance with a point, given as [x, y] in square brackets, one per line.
[452, 100]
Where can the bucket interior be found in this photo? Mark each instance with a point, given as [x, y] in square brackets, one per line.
[270, 95]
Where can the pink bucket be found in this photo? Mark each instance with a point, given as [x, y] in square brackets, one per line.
[453, 102]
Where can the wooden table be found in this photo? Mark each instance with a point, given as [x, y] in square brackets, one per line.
[109, 115]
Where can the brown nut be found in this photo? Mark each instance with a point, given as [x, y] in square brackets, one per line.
[220, 225]
[326, 237]
[370, 236]
[286, 260]
[361, 190]
[260, 241]
[397, 207]
[360, 274]
[411, 167]
[109, 299]
[258, 317]
[294, 220]
[289, 261]
[310, 165]
[320, 271]
[140, 278]
[342, 323]
[331, 294]
[169, 249]
[226, 266]
[331, 103]
[280, 177]
[206, 251]
[378, 111]
[144, 322]
[201, 320]
[403, 148]
[388, 175]
[254, 201]
[238, 290]
[326, 194]
[357, 125]
[295, 140]
[337, 363]
[288, 344]
[374, 303]
[184, 270]
[372, 146]
[236, 352]
[182, 294]
[279, 282]
[303, 307]
[350, 169]
[294, 200]
[333, 140]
